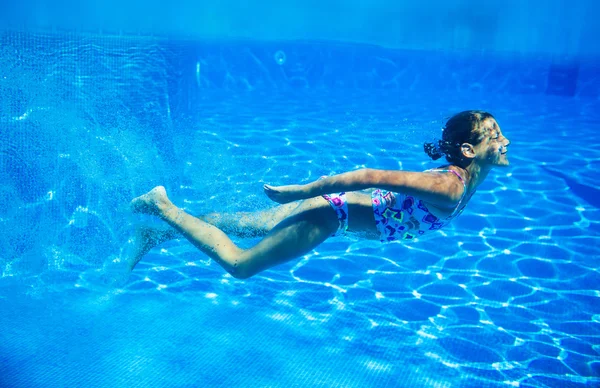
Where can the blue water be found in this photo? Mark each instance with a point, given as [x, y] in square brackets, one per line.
[506, 296]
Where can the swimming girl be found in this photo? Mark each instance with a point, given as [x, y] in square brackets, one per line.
[404, 205]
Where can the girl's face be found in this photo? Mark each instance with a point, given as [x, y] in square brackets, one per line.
[493, 146]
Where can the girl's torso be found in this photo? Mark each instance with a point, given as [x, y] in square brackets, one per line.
[394, 216]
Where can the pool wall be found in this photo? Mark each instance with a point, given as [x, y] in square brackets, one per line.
[556, 27]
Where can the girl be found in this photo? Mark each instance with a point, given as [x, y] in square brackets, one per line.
[404, 205]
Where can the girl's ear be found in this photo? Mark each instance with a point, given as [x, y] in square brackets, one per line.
[467, 150]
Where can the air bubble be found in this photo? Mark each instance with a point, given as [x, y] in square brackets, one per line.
[198, 78]
[279, 57]
[80, 216]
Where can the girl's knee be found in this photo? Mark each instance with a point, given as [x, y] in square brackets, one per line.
[239, 266]
[241, 271]
[240, 275]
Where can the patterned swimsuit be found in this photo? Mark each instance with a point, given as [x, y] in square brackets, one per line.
[397, 216]
[404, 217]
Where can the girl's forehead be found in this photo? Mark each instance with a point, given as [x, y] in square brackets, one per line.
[489, 125]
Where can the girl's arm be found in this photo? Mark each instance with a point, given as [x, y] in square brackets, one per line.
[439, 189]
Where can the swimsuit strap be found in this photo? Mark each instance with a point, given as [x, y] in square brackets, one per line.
[459, 177]
[462, 197]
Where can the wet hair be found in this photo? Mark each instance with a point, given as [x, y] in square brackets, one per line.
[463, 127]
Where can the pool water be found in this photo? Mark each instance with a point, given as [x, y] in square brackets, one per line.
[505, 296]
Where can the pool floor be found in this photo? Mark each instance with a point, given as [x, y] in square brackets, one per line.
[507, 296]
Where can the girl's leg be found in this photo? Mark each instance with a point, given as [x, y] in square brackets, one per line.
[147, 238]
[249, 224]
[311, 223]
[243, 224]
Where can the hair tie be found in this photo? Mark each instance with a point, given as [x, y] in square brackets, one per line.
[437, 146]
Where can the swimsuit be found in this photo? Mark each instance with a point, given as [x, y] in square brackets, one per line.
[397, 216]
[404, 217]
[339, 203]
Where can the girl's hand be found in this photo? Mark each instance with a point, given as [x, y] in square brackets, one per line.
[284, 194]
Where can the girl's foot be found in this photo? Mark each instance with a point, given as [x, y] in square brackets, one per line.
[147, 238]
[154, 202]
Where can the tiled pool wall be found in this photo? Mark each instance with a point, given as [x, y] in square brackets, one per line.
[183, 71]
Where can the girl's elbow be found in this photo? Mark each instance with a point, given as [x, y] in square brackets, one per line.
[368, 177]
[363, 170]
[364, 178]
[368, 173]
